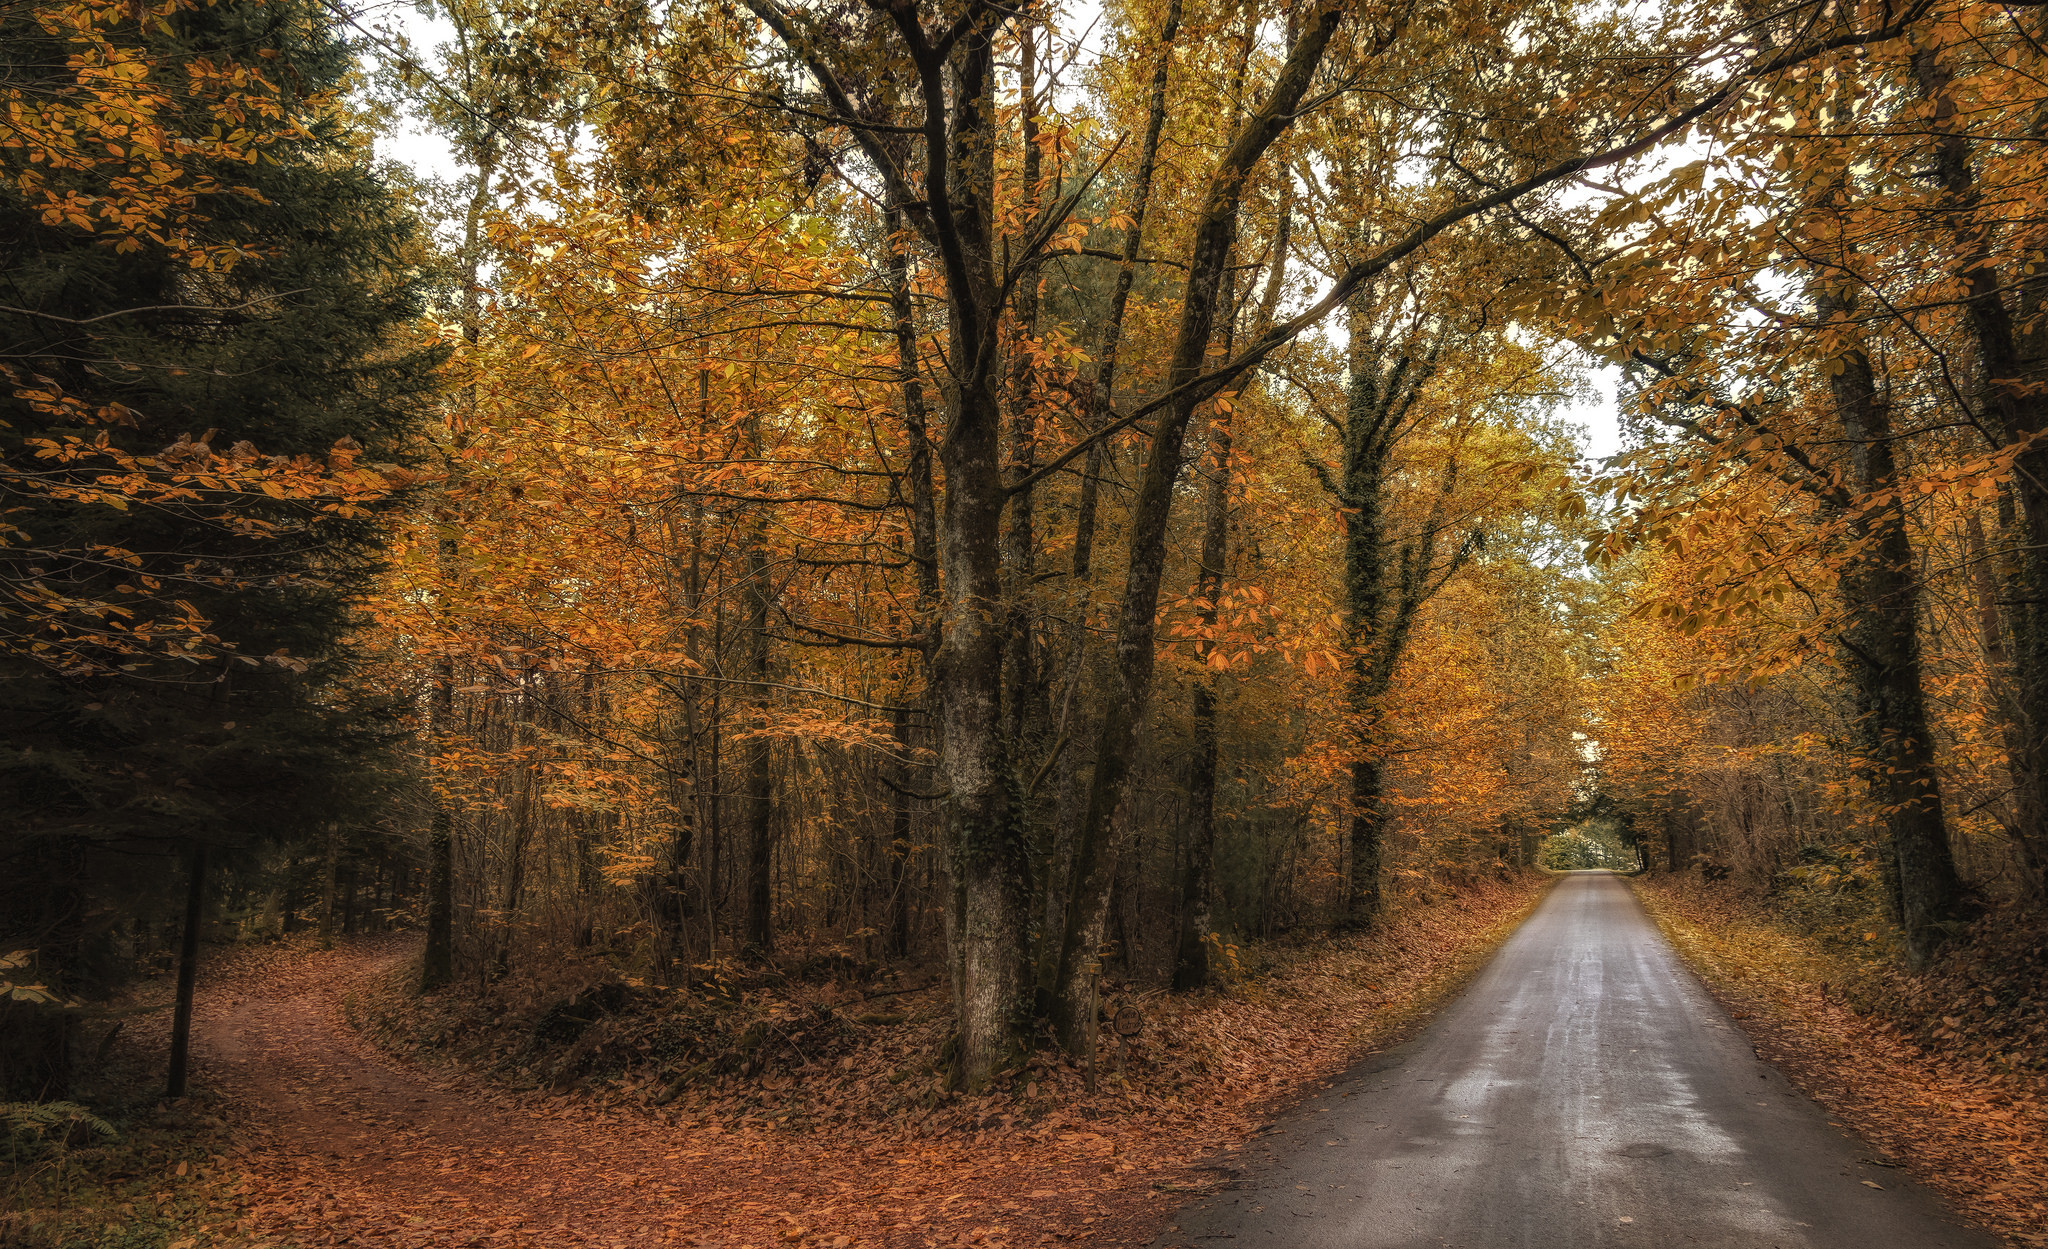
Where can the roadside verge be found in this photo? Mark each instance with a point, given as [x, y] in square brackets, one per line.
[1979, 1137]
[321, 1139]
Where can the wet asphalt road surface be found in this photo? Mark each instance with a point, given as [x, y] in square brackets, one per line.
[1584, 1091]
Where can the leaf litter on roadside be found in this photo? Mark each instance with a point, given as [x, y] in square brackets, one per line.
[346, 1143]
[1963, 1109]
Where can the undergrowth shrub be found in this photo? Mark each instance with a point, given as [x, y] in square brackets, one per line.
[1836, 893]
[35, 1128]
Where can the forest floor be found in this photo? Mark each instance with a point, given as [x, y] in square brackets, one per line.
[1960, 1109]
[316, 1135]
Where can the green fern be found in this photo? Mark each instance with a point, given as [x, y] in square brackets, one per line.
[38, 1119]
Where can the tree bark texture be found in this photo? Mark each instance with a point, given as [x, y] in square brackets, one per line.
[1059, 868]
[918, 497]
[1387, 579]
[1198, 877]
[1881, 654]
[984, 834]
[2012, 364]
[1023, 692]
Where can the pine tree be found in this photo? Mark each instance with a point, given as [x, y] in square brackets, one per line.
[217, 308]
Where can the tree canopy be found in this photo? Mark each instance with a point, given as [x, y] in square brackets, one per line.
[1032, 495]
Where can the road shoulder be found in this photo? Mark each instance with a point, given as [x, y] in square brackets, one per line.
[1979, 1139]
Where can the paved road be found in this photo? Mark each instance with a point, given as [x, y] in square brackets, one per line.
[1585, 1091]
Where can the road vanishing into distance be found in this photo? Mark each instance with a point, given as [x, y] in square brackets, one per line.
[1586, 1090]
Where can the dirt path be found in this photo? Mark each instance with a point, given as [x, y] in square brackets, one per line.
[352, 1148]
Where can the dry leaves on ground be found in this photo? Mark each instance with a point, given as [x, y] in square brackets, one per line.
[1974, 1132]
[345, 1144]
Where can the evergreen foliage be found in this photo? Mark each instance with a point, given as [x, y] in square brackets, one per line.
[192, 689]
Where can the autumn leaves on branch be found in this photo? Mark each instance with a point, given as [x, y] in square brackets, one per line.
[931, 477]
[937, 326]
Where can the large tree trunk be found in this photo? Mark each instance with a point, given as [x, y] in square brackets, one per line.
[919, 496]
[1023, 692]
[985, 837]
[1881, 654]
[1380, 602]
[984, 834]
[984, 845]
[1365, 842]
[1191, 958]
[1365, 594]
[1059, 868]
[2009, 381]
[2011, 590]
[1880, 643]
[1137, 630]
